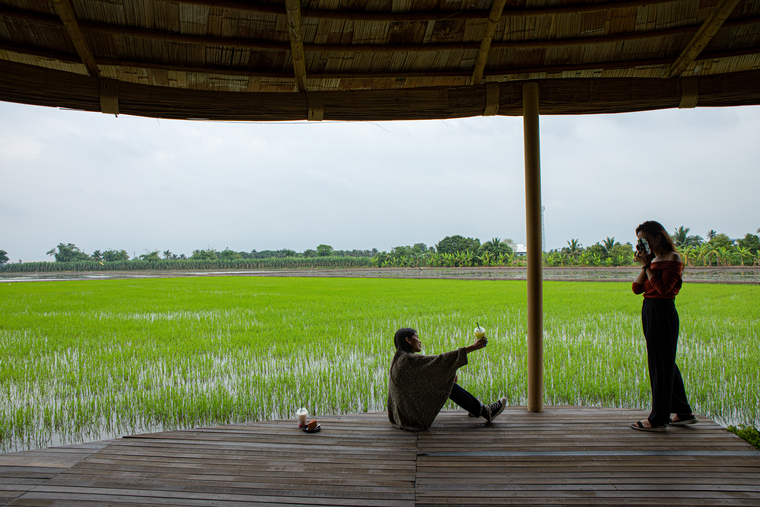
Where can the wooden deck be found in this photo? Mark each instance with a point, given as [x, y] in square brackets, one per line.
[564, 456]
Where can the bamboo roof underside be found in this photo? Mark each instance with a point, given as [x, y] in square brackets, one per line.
[377, 59]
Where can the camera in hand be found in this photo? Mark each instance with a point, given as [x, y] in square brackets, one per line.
[643, 248]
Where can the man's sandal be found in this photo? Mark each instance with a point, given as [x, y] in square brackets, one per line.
[683, 420]
[638, 425]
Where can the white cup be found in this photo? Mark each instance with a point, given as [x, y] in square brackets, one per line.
[302, 414]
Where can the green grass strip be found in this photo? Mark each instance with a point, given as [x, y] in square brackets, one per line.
[748, 433]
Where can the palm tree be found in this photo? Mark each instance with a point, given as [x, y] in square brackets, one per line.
[711, 234]
[704, 253]
[725, 254]
[469, 258]
[167, 254]
[687, 254]
[574, 247]
[681, 237]
[486, 258]
[743, 252]
[608, 244]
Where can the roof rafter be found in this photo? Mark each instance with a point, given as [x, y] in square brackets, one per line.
[65, 11]
[706, 32]
[295, 32]
[485, 43]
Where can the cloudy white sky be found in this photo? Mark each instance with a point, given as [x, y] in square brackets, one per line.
[141, 184]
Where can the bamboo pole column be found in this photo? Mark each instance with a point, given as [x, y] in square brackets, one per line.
[533, 226]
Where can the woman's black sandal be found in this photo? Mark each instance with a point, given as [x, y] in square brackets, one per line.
[639, 426]
[684, 419]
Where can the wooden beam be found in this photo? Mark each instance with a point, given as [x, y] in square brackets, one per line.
[485, 43]
[706, 32]
[293, 8]
[29, 84]
[65, 11]
[162, 35]
[427, 15]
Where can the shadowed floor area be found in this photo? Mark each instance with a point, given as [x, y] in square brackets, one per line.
[563, 456]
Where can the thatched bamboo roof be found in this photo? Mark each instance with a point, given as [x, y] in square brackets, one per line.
[377, 59]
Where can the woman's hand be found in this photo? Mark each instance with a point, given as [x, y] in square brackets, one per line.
[641, 257]
[479, 344]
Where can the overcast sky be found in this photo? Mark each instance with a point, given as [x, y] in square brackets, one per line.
[141, 184]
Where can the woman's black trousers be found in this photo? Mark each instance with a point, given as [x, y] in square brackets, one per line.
[660, 320]
[464, 399]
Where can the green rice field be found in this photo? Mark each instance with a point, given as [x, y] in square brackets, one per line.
[85, 360]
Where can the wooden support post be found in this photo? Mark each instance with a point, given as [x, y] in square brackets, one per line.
[293, 8]
[65, 11]
[533, 222]
[705, 33]
[485, 44]
[109, 96]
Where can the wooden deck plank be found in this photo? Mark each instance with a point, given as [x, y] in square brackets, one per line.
[21, 472]
[564, 456]
[161, 497]
[586, 457]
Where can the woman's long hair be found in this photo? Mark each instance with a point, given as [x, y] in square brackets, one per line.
[655, 229]
[402, 346]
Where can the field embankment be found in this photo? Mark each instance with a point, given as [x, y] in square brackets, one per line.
[700, 274]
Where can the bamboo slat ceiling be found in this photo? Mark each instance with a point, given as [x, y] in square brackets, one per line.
[377, 59]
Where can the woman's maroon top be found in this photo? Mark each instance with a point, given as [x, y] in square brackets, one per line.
[664, 283]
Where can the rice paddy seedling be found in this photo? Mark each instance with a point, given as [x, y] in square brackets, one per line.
[84, 360]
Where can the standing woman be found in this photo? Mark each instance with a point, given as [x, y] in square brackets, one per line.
[659, 281]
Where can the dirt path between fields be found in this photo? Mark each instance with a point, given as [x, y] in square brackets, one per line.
[734, 274]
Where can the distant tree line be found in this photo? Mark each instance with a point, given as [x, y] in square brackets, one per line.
[69, 252]
[452, 251]
[717, 250]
